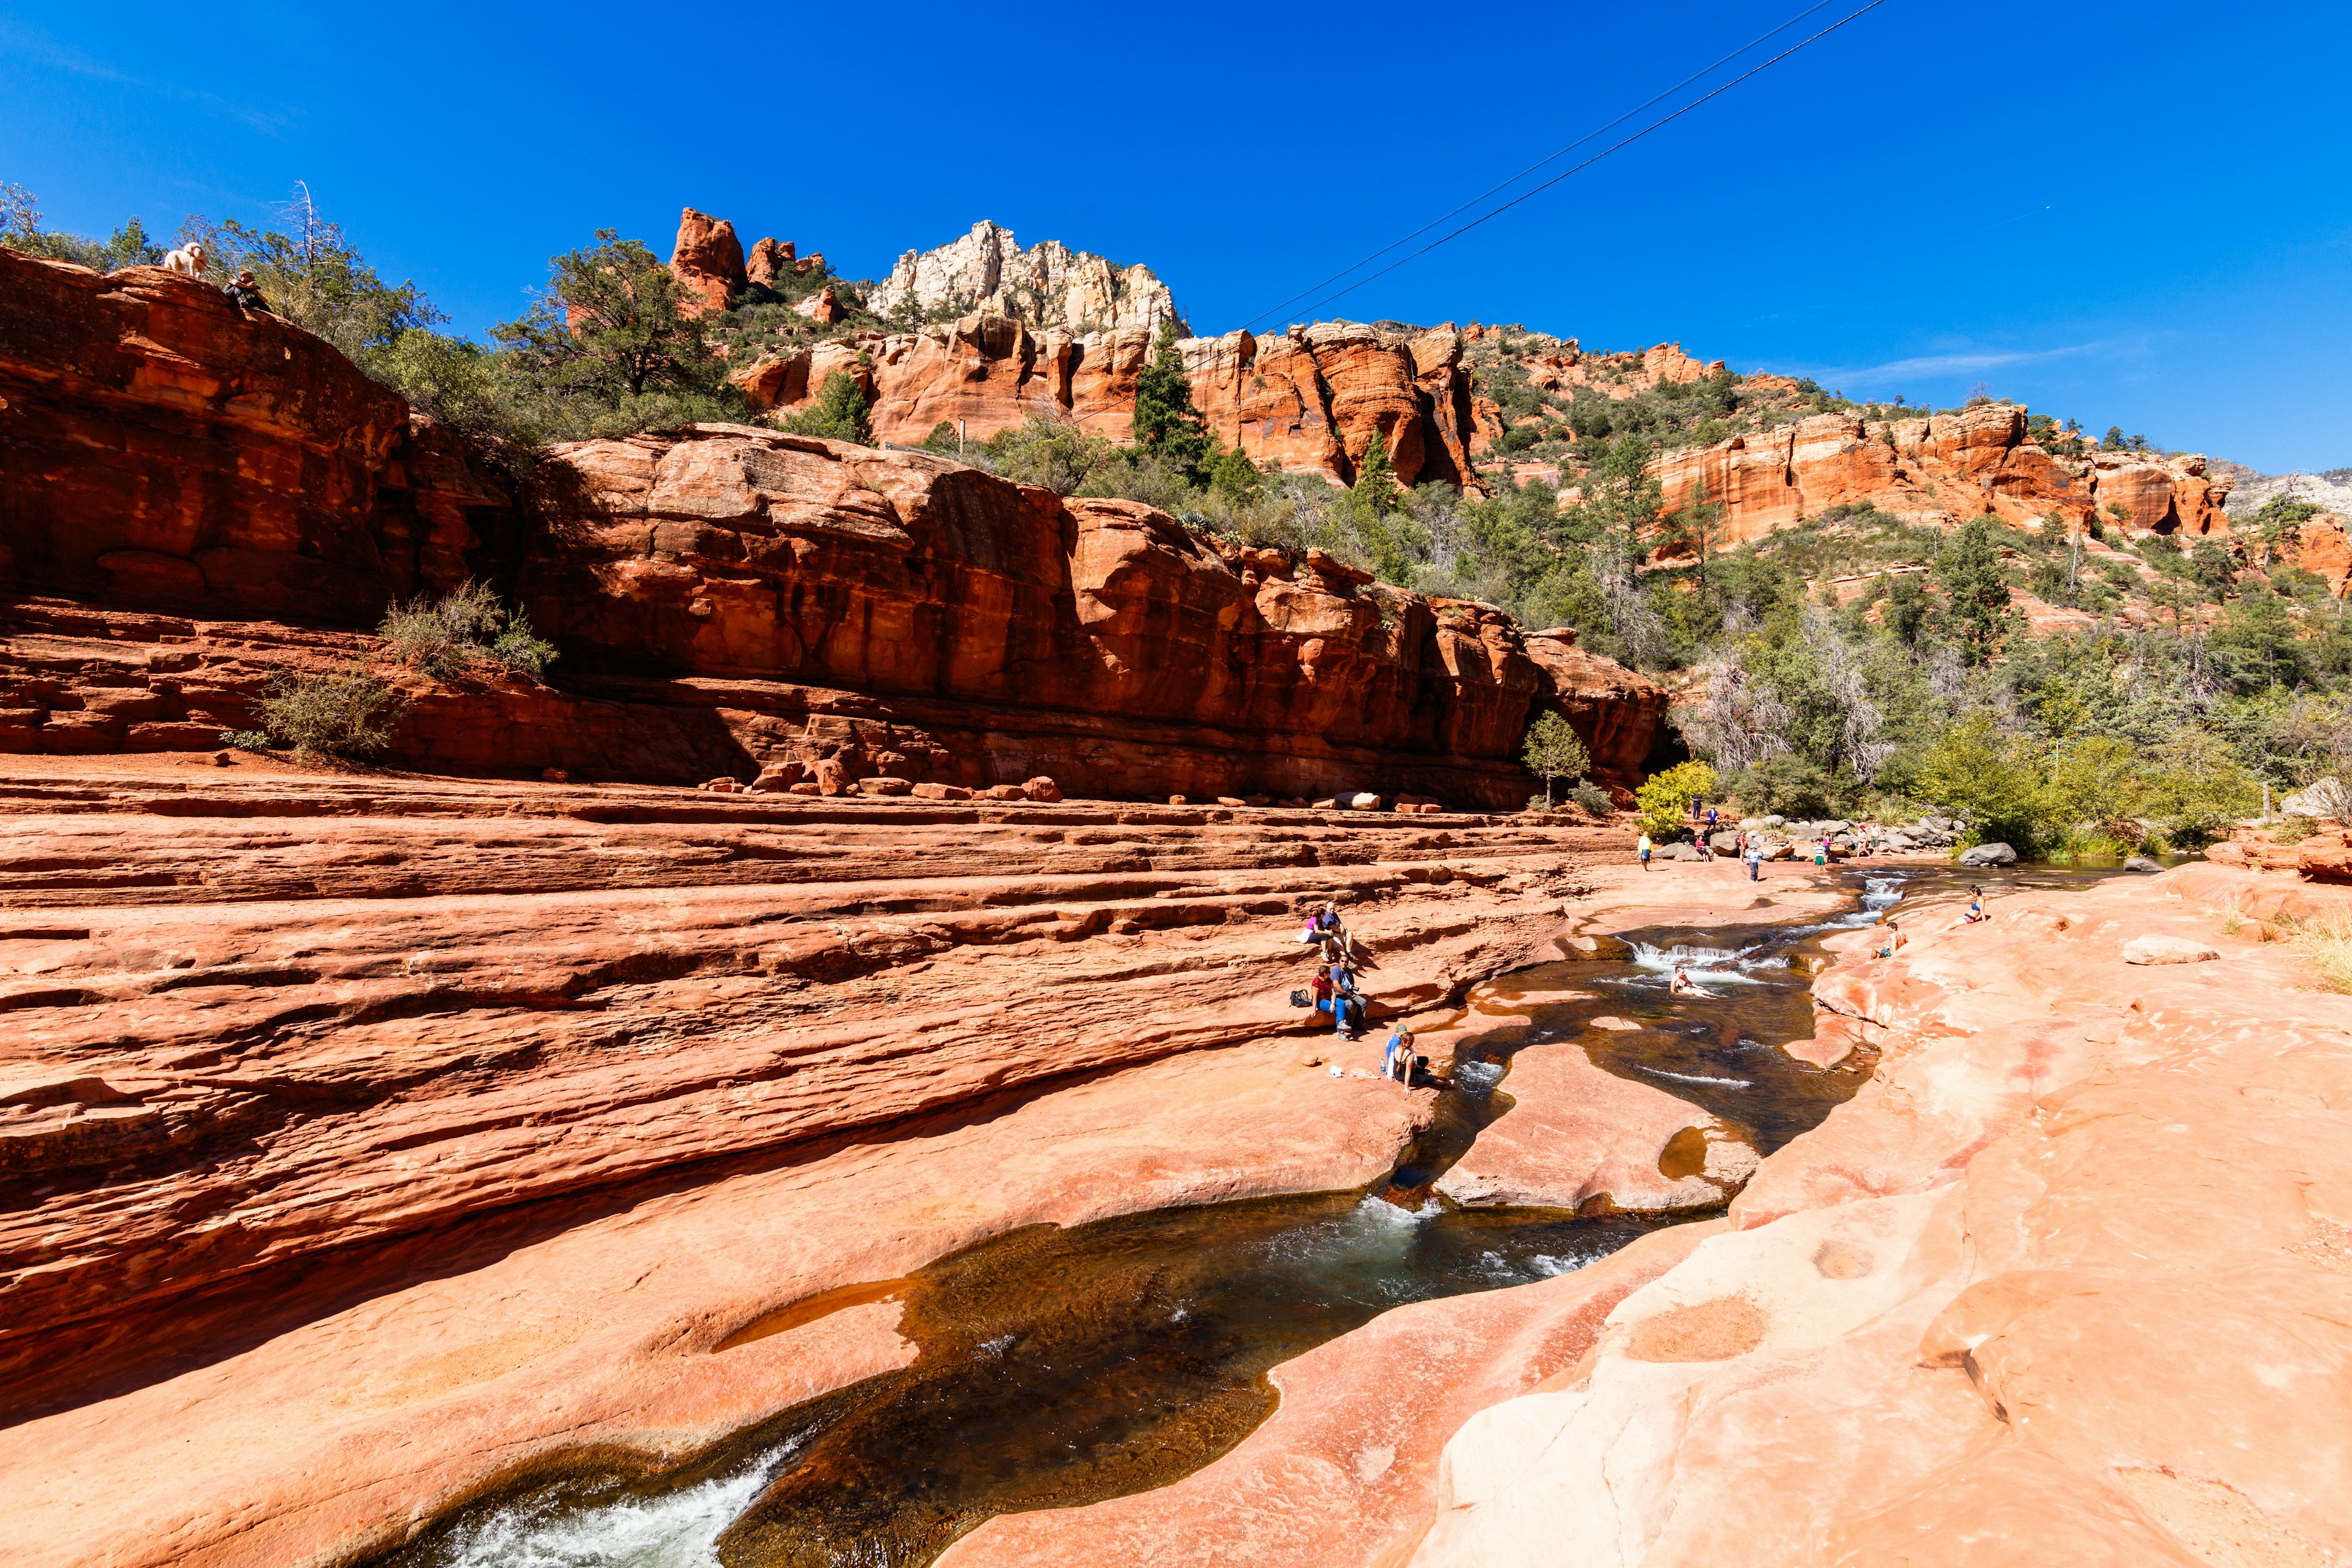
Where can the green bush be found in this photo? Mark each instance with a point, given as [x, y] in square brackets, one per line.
[838, 412]
[1591, 799]
[467, 627]
[346, 713]
[1554, 751]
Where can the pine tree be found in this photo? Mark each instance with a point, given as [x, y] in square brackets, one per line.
[1376, 483]
[1969, 570]
[1166, 423]
[837, 412]
[1554, 751]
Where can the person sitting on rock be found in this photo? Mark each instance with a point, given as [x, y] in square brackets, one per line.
[1346, 1004]
[1397, 1063]
[245, 294]
[1894, 942]
[1322, 988]
[1975, 914]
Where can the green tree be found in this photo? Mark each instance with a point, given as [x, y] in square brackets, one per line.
[1692, 527]
[316, 278]
[1969, 570]
[1234, 476]
[1166, 423]
[2197, 788]
[1992, 780]
[2097, 782]
[1908, 609]
[1620, 496]
[1663, 800]
[2114, 439]
[2262, 635]
[1376, 482]
[1554, 751]
[837, 412]
[613, 324]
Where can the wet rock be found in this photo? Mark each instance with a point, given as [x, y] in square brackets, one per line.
[2141, 863]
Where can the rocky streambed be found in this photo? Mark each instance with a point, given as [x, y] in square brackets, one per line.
[1058, 1368]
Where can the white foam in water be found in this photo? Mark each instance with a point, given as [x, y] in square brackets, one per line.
[678, 1531]
[1552, 1268]
[1693, 1078]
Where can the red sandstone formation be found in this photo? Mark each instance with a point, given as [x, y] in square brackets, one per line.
[707, 261]
[726, 596]
[770, 259]
[460, 1125]
[164, 450]
[1941, 470]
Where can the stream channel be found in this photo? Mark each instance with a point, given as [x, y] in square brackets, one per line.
[1064, 1367]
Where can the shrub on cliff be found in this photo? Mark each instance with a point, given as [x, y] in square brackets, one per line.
[20, 229]
[837, 413]
[468, 627]
[345, 712]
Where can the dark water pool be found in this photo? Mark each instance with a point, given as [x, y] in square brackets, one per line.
[1061, 1367]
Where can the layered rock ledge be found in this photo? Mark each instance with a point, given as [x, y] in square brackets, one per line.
[461, 1125]
[2068, 1281]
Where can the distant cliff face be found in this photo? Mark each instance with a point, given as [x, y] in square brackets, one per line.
[1940, 471]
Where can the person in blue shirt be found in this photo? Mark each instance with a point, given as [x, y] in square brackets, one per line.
[1397, 1063]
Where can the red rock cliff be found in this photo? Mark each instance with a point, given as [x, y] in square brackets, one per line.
[774, 597]
[1942, 470]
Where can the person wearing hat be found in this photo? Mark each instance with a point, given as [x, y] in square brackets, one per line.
[245, 294]
[1397, 1063]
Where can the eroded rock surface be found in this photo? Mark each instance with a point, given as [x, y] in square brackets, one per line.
[1964, 1318]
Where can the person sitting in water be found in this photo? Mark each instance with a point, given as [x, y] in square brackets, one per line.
[1684, 986]
[1398, 1062]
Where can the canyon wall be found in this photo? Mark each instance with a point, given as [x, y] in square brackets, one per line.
[231, 489]
[1940, 471]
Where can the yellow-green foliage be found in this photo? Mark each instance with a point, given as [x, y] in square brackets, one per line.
[1664, 801]
[2327, 940]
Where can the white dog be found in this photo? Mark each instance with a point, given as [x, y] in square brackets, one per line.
[189, 260]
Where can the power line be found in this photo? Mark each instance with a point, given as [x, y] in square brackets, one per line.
[1556, 179]
[1531, 168]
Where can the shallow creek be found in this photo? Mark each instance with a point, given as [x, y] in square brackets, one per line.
[1062, 1367]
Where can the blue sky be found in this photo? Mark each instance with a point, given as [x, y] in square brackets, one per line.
[2130, 213]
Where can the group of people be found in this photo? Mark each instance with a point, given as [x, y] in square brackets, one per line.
[1337, 989]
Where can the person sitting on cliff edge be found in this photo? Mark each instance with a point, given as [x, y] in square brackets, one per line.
[245, 294]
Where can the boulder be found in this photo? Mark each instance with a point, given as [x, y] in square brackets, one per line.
[2320, 860]
[1179, 800]
[2140, 863]
[1363, 801]
[1329, 803]
[2154, 949]
[1682, 852]
[552, 775]
[1725, 842]
[942, 792]
[822, 306]
[1041, 788]
[1005, 791]
[1988, 855]
[1231, 800]
[885, 786]
[1774, 822]
[777, 778]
